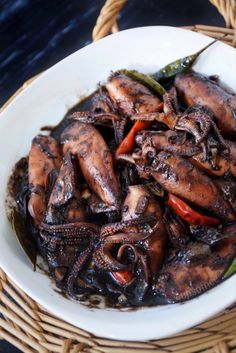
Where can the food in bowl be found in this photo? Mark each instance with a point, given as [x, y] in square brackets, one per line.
[132, 195]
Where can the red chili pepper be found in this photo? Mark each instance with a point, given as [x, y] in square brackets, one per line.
[124, 277]
[127, 145]
[188, 214]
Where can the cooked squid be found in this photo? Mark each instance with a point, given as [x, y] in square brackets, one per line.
[132, 196]
[199, 89]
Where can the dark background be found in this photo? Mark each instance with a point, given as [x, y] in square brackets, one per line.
[35, 34]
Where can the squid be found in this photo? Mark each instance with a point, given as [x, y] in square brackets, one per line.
[140, 203]
[85, 142]
[219, 165]
[176, 229]
[170, 141]
[180, 177]
[131, 97]
[176, 142]
[198, 89]
[44, 160]
[67, 237]
[196, 268]
[162, 231]
[144, 244]
[65, 200]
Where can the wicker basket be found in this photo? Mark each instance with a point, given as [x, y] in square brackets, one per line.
[25, 324]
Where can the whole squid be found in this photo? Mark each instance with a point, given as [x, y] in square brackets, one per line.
[199, 89]
[95, 160]
[140, 203]
[180, 177]
[44, 158]
[130, 96]
[196, 268]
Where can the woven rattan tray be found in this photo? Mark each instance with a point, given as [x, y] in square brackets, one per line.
[25, 324]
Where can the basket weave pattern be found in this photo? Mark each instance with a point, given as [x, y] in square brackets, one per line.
[27, 325]
[106, 21]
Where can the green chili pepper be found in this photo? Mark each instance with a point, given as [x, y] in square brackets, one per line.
[179, 66]
[231, 270]
[146, 80]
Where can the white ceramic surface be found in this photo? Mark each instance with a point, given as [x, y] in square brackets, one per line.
[45, 102]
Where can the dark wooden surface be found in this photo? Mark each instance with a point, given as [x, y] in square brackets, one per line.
[35, 34]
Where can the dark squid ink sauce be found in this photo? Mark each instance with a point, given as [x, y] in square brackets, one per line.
[117, 263]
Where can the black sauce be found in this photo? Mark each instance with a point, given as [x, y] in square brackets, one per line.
[97, 282]
[84, 105]
[19, 192]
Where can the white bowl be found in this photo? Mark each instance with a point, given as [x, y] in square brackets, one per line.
[45, 102]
